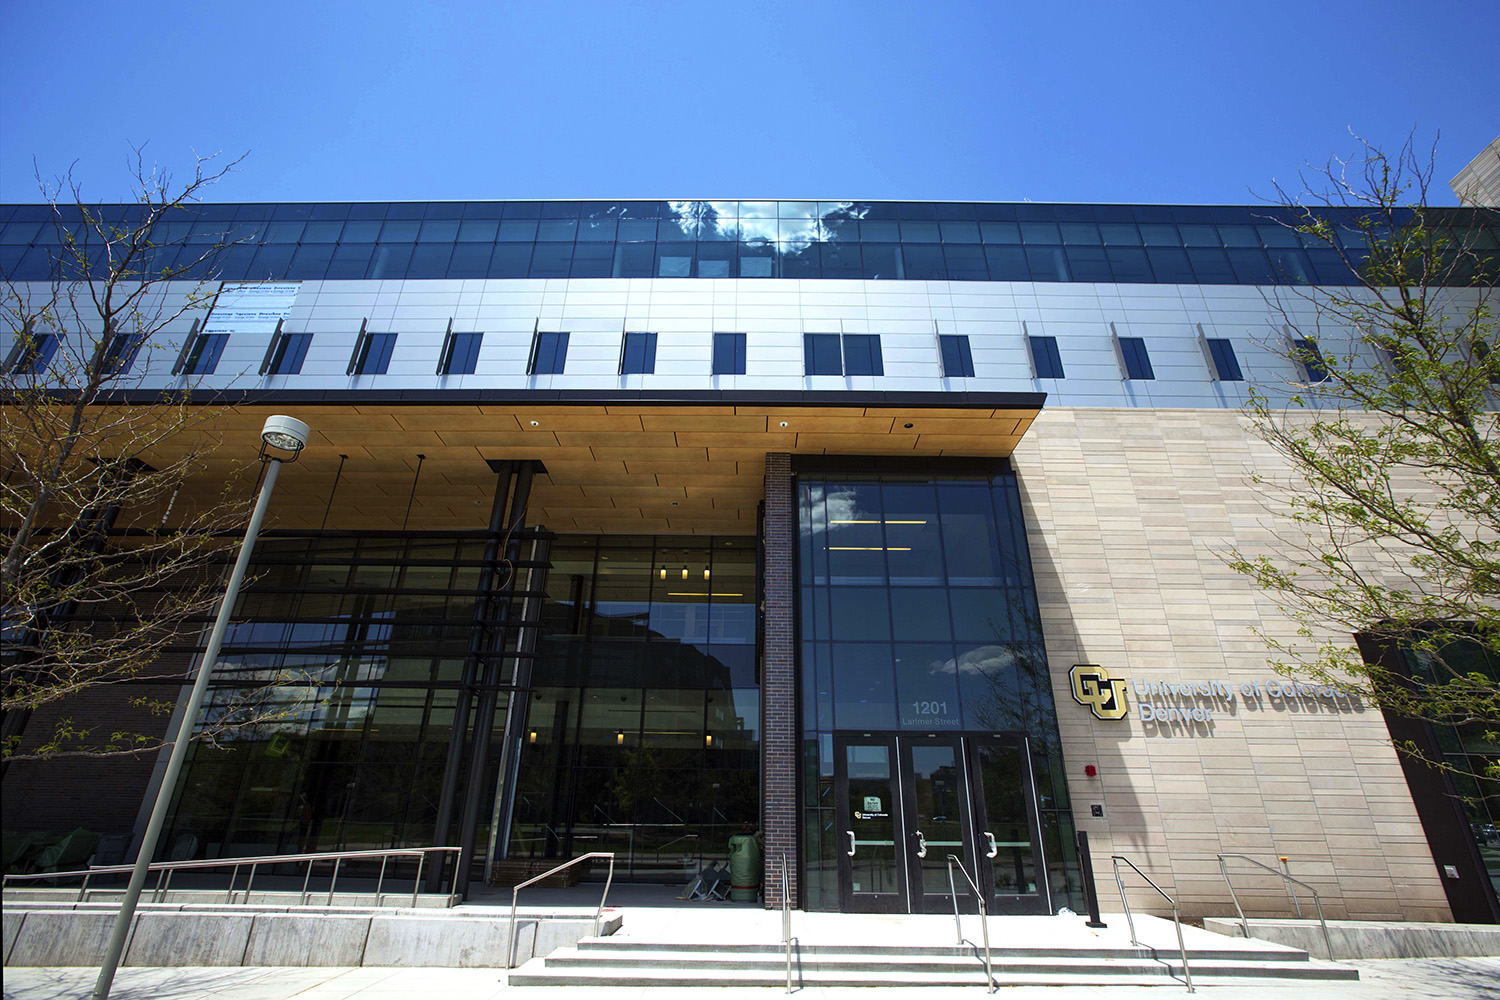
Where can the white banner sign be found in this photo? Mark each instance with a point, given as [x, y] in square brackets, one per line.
[252, 308]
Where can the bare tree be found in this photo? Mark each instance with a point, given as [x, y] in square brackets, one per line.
[1391, 501]
[104, 566]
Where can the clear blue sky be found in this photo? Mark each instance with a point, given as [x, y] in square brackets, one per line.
[1204, 101]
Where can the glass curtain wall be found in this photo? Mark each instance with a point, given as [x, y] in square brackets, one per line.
[917, 615]
[347, 652]
[643, 732]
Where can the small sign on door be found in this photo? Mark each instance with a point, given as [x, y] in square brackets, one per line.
[872, 803]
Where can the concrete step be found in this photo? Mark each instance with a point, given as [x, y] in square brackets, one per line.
[618, 945]
[556, 970]
[599, 962]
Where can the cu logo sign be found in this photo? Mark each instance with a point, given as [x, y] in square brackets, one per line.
[1093, 688]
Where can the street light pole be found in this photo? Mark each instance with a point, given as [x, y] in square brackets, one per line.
[285, 434]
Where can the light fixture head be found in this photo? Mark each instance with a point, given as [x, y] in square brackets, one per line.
[285, 434]
[684, 572]
[705, 572]
[664, 572]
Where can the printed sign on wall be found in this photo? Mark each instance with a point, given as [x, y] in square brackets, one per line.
[252, 308]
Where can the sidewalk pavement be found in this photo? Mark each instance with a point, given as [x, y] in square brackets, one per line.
[1394, 979]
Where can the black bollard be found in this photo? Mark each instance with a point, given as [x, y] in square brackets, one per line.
[1089, 891]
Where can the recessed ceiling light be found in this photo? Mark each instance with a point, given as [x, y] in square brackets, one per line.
[907, 426]
[783, 423]
[535, 423]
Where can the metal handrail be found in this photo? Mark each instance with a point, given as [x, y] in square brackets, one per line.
[786, 919]
[1245, 924]
[1176, 920]
[984, 923]
[167, 869]
[510, 946]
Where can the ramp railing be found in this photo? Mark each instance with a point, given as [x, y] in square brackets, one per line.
[1290, 881]
[166, 869]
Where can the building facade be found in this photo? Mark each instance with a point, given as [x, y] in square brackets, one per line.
[892, 530]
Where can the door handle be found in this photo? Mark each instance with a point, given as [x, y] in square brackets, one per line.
[850, 852]
[921, 845]
[994, 848]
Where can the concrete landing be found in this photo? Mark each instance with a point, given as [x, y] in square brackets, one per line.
[1371, 939]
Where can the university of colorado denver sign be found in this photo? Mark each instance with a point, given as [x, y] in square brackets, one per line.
[1164, 702]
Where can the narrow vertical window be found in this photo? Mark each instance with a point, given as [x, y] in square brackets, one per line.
[1046, 361]
[463, 354]
[958, 362]
[862, 355]
[1305, 352]
[820, 354]
[729, 354]
[1137, 361]
[549, 353]
[203, 355]
[373, 356]
[1226, 365]
[31, 353]
[120, 353]
[638, 354]
[291, 351]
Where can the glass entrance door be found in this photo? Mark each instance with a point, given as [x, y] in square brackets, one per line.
[936, 806]
[872, 870]
[1011, 869]
[907, 802]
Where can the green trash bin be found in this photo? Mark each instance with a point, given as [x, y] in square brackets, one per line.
[744, 868]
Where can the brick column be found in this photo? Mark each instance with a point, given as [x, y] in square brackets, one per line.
[778, 682]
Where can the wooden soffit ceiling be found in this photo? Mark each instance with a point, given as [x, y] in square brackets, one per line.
[616, 468]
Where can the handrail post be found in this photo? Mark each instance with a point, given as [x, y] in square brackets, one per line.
[234, 873]
[609, 879]
[1327, 941]
[1186, 972]
[1124, 903]
[83, 890]
[414, 886]
[786, 918]
[1244, 924]
[1286, 866]
[250, 882]
[984, 927]
[958, 926]
[305, 879]
[380, 882]
[335, 880]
